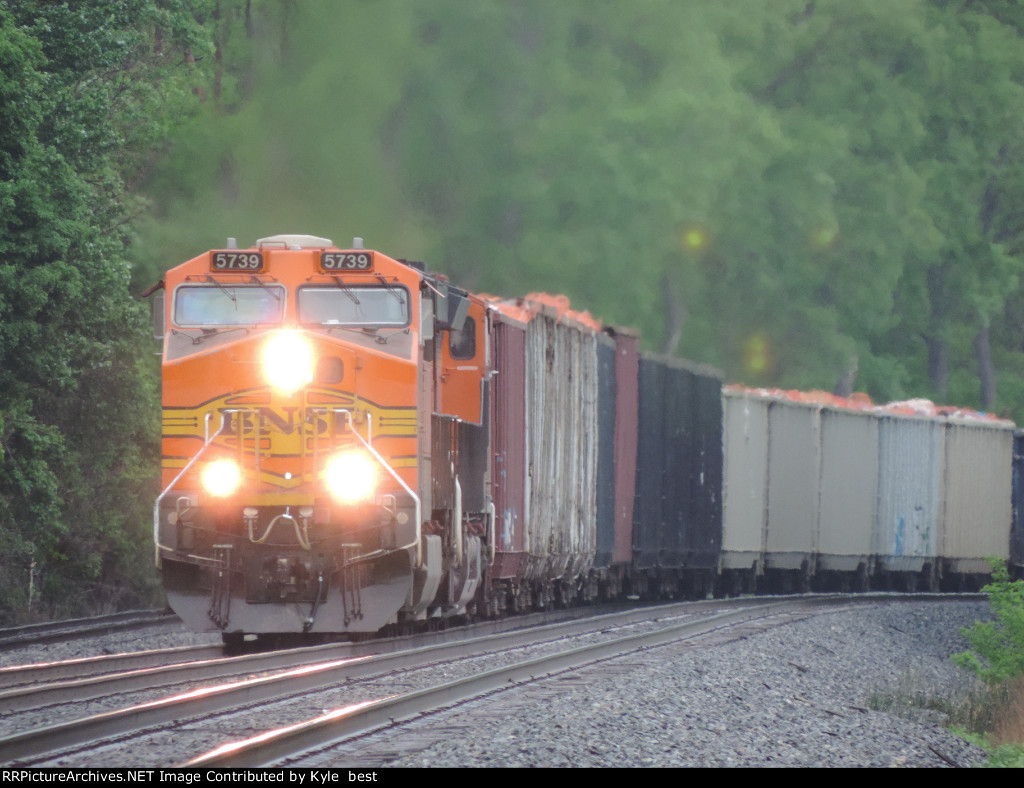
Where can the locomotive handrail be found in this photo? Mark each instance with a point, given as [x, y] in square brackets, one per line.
[188, 465]
[457, 523]
[491, 530]
[394, 475]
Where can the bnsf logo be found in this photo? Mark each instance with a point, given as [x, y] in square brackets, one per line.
[290, 421]
[286, 422]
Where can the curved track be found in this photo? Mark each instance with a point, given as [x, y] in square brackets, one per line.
[338, 693]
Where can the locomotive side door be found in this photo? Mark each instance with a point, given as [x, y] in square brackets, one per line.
[461, 365]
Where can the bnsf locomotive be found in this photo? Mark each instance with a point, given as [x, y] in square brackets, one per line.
[350, 442]
[314, 400]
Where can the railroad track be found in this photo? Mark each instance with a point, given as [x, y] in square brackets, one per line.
[266, 708]
[38, 674]
[55, 631]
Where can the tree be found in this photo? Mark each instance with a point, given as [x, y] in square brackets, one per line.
[297, 140]
[83, 94]
[783, 189]
[810, 194]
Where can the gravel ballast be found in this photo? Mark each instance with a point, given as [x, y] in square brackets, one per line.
[795, 696]
[800, 694]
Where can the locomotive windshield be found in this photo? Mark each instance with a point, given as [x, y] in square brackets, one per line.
[215, 304]
[374, 306]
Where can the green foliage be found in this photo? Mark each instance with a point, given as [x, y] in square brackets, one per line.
[997, 647]
[296, 139]
[787, 190]
[86, 90]
[1000, 756]
[1006, 756]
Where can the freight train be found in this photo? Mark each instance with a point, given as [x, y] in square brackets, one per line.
[351, 442]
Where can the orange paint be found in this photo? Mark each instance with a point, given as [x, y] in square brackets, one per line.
[280, 438]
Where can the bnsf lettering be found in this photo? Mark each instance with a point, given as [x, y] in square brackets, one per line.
[287, 422]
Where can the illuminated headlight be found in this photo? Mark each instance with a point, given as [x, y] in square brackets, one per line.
[221, 477]
[287, 361]
[351, 476]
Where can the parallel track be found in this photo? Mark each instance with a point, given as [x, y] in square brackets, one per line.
[38, 674]
[336, 672]
[54, 631]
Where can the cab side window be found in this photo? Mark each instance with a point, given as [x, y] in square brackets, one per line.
[462, 343]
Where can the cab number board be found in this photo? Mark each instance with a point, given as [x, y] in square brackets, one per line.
[236, 261]
[346, 261]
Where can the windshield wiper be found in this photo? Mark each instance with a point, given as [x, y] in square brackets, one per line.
[346, 327]
[393, 290]
[223, 289]
[382, 339]
[347, 290]
[206, 333]
[271, 290]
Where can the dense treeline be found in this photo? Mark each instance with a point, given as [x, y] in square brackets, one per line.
[812, 193]
[816, 194]
[85, 92]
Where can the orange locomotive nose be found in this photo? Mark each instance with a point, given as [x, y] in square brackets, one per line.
[291, 494]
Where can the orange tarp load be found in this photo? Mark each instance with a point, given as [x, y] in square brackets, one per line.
[525, 309]
[861, 401]
[856, 401]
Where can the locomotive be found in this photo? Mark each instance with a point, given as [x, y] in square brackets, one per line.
[309, 395]
[350, 441]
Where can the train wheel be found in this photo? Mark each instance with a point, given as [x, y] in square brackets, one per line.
[269, 641]
[234, 642]
[729, 583]
[804, 578]
[862, 581]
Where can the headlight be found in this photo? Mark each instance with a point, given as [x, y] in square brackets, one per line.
[351, 476]
[221, 477]
[287, 361]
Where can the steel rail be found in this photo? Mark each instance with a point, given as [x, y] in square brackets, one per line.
[12, 676]
[50, 631]
[28, 746]
[271, 747]
[39, 673]
[36, 686]
[21, 747]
